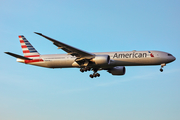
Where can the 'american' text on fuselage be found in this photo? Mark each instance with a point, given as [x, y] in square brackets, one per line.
[130, 55]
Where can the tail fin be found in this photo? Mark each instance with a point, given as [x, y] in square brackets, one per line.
[28, 50]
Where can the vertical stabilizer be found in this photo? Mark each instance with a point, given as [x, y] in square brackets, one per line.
[28, 50]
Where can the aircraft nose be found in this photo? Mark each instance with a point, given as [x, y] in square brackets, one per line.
[173, 58]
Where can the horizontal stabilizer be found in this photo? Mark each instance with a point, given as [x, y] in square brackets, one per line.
[17, 56]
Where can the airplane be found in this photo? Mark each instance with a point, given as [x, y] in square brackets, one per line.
[112, 62]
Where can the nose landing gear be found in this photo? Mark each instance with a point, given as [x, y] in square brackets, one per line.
[162, 65]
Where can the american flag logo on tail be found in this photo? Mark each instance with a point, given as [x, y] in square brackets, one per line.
[28, 50]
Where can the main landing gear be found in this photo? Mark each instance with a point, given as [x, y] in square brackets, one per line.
[162, 65]
[95, 74]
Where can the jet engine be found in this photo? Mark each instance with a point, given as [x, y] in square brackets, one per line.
[101, 59]
[118, 70]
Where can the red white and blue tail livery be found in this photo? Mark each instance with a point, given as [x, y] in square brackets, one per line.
[28, 50]
[113, 62]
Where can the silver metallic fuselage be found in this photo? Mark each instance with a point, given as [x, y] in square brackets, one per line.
[129, 58]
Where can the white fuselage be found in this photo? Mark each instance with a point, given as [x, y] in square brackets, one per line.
[129, 58]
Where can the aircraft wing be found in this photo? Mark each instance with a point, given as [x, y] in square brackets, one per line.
[69, 49]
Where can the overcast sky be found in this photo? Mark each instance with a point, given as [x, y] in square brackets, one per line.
[143, 93]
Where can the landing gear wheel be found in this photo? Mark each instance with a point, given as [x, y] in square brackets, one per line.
[94, 75]
[97, 74]
[82, 70]
[91, 76]
[162, 65]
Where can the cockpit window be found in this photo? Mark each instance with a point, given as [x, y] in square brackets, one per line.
[169, 55]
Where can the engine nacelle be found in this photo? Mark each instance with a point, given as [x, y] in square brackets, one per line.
[118, 70]
[101, 59]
